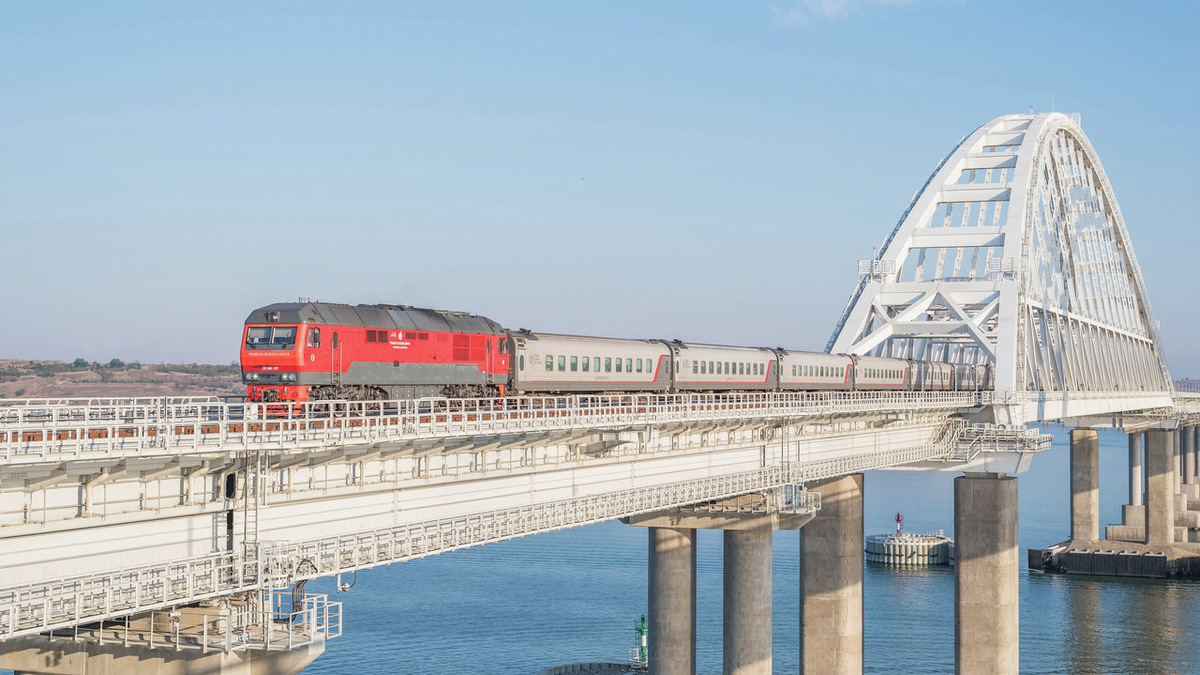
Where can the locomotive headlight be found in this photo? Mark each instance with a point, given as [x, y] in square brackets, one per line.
[251, 377]
[287, 377]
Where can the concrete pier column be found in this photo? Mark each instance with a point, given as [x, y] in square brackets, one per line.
[1195, 429]
[1177, 458]
[831, 581]
[1085, 485]
[1160, 487]
[672, 600]
[747, 606]
[986, 636]
[1135, 469]
[1188, 451]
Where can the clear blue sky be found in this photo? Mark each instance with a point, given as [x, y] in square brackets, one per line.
[706, 171]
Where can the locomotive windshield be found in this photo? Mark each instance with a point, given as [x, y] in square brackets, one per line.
[271, 337]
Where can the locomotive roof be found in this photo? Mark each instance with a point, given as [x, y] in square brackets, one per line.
[376, 316]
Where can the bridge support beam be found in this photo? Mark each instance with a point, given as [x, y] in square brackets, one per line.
[747, 603]
[66, 657]
[1085, 485]
[831, 580]
[672, 600]
[986, 636]
[1160, 487]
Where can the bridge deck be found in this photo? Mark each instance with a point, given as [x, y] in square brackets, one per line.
[488, 487]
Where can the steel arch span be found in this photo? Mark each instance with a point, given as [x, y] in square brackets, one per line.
[1014, 254]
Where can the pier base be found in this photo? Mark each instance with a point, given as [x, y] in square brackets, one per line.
[986, 620]
[831, 580]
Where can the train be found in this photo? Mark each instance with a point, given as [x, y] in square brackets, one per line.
[306, 351]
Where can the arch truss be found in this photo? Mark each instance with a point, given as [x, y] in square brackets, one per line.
[1015, 254]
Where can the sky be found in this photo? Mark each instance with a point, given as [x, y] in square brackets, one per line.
[707, 171]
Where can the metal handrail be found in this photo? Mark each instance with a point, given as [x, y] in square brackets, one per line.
[33, 434]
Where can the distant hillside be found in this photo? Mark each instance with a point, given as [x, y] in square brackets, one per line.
[83, 379]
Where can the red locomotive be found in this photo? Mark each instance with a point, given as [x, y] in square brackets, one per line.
[309, 350]
[323, 351]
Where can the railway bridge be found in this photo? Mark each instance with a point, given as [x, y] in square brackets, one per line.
[177, 535]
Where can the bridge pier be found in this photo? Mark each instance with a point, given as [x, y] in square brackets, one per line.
[1195, 429]
[1085, 485]
[1177, 450]
[1133, 513]
[747, 603]
[1160, 489]
[1188, 449]
[986, 635]
[831, 580]
[672, 600]
[1135, 469]
[748, 523]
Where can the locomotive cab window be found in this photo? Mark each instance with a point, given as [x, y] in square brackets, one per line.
[314, 338]
[271, 337]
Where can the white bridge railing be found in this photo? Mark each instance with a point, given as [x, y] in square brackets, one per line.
[33, 433]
